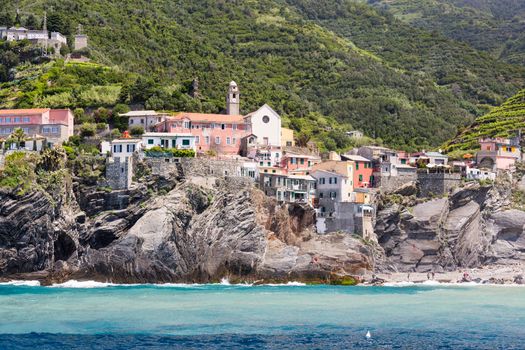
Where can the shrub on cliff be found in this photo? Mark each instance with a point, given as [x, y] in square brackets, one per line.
[88, 129]
[158, 151]
[136, 130]
[18, 173]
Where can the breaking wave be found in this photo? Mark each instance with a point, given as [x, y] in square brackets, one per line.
[21, 283]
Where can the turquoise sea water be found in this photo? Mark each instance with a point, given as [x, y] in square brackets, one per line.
[250, 317]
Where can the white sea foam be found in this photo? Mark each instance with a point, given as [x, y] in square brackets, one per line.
[21, 283]
[399, 284]
[86, 284]
[225, 282]
[296, 284]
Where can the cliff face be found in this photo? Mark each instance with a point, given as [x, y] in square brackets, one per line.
[472, 227]
[190, 234]
[172, 229]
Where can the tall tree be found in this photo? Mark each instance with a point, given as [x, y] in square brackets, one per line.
[31, 22]
[18, 20]
[6, 19]
[58, 23]
[18, 137]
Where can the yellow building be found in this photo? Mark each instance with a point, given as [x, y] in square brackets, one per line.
[287, 137]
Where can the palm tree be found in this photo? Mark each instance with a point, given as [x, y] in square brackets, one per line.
[18, 136]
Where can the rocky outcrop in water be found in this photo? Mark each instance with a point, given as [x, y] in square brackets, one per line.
[472, 227]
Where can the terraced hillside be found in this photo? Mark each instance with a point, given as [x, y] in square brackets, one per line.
[502, 121]
[495, 26]
[279, 54]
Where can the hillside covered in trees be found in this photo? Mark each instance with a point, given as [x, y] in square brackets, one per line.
[337, 66]
[495, 26]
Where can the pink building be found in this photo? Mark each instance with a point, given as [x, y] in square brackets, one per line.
[299, 163]
[214, 132]
[56, 125]
[498, 153]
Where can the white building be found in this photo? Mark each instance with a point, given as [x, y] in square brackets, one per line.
[145, 119]
[168, 140]
[37, 35]
[105, 148]
[480, 174]
[355, 134]
[55, 36]
[266, 126]
[125, 147]
[250, 169]
[16, 33]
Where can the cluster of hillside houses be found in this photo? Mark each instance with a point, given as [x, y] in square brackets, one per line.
[340, 186]
[43, 38]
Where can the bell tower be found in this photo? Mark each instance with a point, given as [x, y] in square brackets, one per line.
[233, 99]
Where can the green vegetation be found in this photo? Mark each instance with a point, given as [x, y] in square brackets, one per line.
[495, 26]
[136, 131]
[18, 173]
[503, 121]
[23, 172]
[158, 151]
[63, 85]
[325, 67]
[343, 280]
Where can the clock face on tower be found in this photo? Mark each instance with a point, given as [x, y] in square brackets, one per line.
[234, 100]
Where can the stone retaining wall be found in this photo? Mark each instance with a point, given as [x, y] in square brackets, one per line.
[391, 183]
[119, 171]
[195, 167]
[437, 183]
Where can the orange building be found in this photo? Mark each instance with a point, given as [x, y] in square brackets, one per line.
[363, 172]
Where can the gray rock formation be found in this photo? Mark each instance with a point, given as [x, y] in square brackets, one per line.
[472, 227]
[191, 234]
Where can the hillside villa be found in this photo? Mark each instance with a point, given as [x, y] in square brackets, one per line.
[145, 119]
[55, 125]
[498, 153]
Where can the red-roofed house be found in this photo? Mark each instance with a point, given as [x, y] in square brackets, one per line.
[218, 132]
[56, 125]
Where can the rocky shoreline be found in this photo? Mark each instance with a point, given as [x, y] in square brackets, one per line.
[492, 275]
[488, 275]
[171, 228]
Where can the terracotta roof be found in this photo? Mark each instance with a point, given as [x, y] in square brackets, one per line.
[204, 117]
[23, 111]
[166, 134]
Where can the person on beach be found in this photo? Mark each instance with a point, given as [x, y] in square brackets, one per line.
[428, 276]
